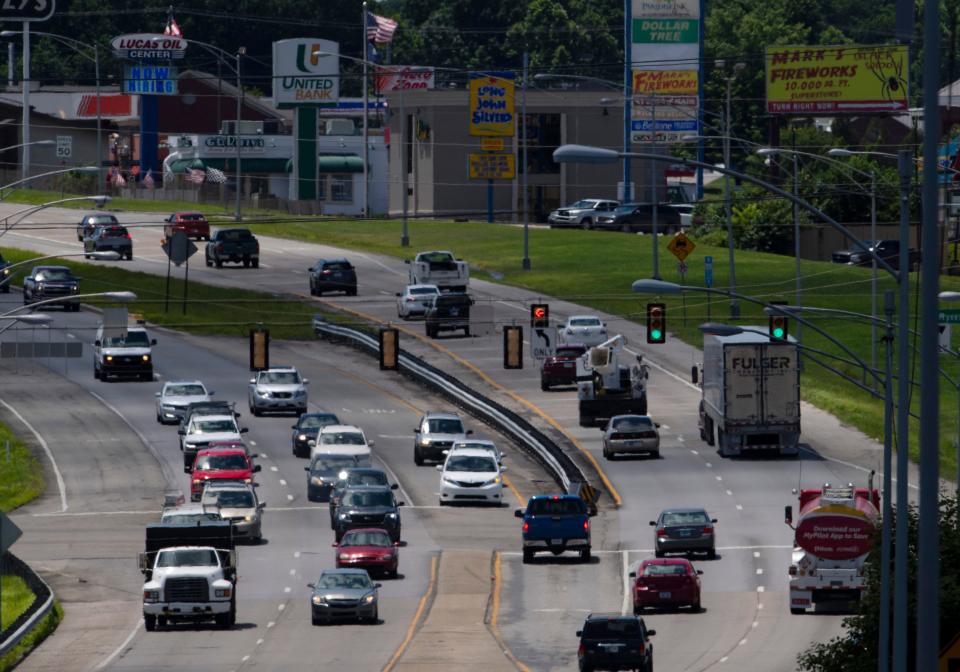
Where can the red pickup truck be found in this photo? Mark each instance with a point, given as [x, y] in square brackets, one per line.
[194, 224]
[220, 464]
[561, 367]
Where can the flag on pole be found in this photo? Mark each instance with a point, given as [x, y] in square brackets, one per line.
[148, 180]
[118, 180]
[216, 176]
[196, 175]
[380, 29]
[172, 28]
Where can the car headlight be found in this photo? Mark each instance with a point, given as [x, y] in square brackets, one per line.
[145, 358]
[493, 481]
[316, 480]
[249, 519]
[319, 599]
[187, 444]
[39, 286]
[74, 288]
[424, 443]
[344, 516]
[197, 481]
[151, 596]
[392, 516]
[344, 556]
[263, 393]
[6, 271]
[448, 481]
[301, 437]
[369, 599]
[300, 393]
[222, 592]
[109, 358]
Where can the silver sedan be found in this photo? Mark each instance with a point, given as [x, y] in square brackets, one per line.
[173, 398]
[634, 434]
[415, 299]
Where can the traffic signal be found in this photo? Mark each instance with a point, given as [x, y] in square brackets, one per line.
[656, 323]
[539, 315]
[513, 347]
[389, 349]
[259, 349]
[779, 327]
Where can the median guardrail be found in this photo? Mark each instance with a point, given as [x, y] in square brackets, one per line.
[11, 565]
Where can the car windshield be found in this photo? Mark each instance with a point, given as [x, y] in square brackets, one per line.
[114, 232]
[235, 499]
[569, 352]
[436, 257]
[363, 499]
[213, 426]
[188, 390]
[53, 274]
[218, 462]
[101, 219]
[367, 478]
[188, 557]
[366, 539]
[424, 291]
[280, 377]
[342, 438]
[445, 426]
[685, 518]
[584, 322]
[628, 424]
[556, 507]
[133, 339]
[613, 629]
[583, 204]
[175, 518]
[665, 570]
[317, 421]
[470, 463]
[337, 266]
[349, 581]
[330, 463]
[236, 234]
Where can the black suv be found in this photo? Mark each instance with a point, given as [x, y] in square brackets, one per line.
[52, 282]
[615, 642]
[352, 478]
[448, 312]
[368, 506]
[333, 275]
[92, 221]
[5, 277]
[307, 428]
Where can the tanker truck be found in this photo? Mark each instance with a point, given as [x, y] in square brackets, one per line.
[832, 539]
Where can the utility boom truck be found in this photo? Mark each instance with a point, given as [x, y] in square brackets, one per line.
[832, 540]
[440, 268]
[191, 574]
[606, 388]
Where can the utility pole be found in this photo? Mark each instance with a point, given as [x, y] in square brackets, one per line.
[366, 112]
[25, 95]
[523, 138]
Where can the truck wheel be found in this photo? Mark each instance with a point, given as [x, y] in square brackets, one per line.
[207, 259]
[255, 263]
[417, 457]
[96, 373]
[222, 620]
[658, 553]
[708, 430]
[544, 385]
[218, 262]
[315, 621]
[246, 263]
[466, 332]
[150, 622]
[585, 555]
[586, 224]
[712, 554]
[527, 556]
[797, 612]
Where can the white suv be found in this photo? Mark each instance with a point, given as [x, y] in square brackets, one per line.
[343, 440]
[123, 356]
[471, 475]
[278, 389]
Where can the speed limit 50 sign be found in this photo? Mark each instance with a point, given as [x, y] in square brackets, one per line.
[64, 146]
[26, 10]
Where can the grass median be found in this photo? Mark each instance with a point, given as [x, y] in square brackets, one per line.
[21, 474]
[40, 632]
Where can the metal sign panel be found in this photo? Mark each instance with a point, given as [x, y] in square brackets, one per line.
[149, 47]
[9, 533]
[543, 342]
[403, 78]
[492, 166]
[64, 146]
[31, 10]
[115, 322]
[491, 104]
[681, 246]
[481, 319]
[151, 80]
[306, 72]
[846, 78]
[179, 247]
[950, 316]
[668, 82]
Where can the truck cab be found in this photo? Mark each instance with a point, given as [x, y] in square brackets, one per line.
[127, 356]
[440, 268]
[555, 523]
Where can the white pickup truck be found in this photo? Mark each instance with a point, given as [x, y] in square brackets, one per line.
[440, 268]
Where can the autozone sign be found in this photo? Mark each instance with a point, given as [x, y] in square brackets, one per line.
[149, 46]
[403, 78]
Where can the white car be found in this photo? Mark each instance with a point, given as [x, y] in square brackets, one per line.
[173, 398]
[278, 389]
[202, 430]
[415, 299]
[471, 475]
[588, 330]
[343, 440]
[478, 444]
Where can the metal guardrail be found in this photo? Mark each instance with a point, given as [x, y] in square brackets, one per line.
[41, 606]
[560, 466]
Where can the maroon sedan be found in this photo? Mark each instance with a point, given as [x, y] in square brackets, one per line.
[370, 549]
[667, 582]
[561, 368]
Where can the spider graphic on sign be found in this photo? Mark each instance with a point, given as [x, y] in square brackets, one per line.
[893, 84]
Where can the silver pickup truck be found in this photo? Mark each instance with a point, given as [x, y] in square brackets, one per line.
[581, 214]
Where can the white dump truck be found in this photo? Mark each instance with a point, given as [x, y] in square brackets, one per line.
[440, 268]
[606, 387]
[751, 394]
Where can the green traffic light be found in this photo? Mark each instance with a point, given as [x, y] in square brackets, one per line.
[778, 332]
[655, 334]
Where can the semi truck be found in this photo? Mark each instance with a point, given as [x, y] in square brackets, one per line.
[439, 268]
[750, 394]
[191, 573]
[606, 388]
[832, 539]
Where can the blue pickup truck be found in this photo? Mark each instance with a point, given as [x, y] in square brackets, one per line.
[555, 523]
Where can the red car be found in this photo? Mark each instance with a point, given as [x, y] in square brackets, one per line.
[194, 224]
[368, 548]
[561, 368]
[232, 444]
[666, 582]
[220, 464]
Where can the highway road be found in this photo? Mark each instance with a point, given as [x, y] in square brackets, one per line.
[746, 622]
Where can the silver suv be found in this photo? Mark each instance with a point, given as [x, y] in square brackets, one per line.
[583, 213]
[435, 434]
[278, 389]
[238, 503]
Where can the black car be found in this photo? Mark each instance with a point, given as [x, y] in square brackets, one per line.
[615, 642]
[306, 430]
[634, 217]
[111, 238]
[333, 275]
[91, 221]
[5, 275]
[52, 282]
[448, 312]
[352, 478]
[323, 472]
[368, 506]
[684, 531]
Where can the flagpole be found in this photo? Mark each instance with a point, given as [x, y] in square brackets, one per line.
[366, 55]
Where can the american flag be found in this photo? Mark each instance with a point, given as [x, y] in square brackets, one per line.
[172, 28]
[216, 176]
[380, 29]
[148, 180]
[118, 180]
[196, 175]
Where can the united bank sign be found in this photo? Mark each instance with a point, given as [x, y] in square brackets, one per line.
[306, 72]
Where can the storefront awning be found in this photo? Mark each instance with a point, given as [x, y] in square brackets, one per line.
[335, 163]
[181, 165]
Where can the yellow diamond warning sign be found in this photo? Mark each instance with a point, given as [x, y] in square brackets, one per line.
[681, 246]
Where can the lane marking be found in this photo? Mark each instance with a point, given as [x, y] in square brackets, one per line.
[282, 482]
[759, 589]
[495, 615]
[694, 451]
[412, 628]
[116, 652]
[739, 507]
[625, 564]
[293, 571]
[270, 624]
[286, 589]
[281, 607]
[245, 659]
[756, 554]
[759, 571]
[274, 469]
[730, 492]
[296, 554]
[61, 486]
[289, 498]
[742, 642]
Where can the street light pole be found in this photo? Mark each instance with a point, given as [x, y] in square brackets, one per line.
[237, 213]
[796, 235]
[366, 114]
[25, 102]
[884, 644]
[627, 95]
[727, 210]
[525, 263]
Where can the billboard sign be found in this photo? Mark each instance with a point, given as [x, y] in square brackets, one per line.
[836, 536]
[492, 166]
[403, 78]
[838, 79]
[665, 34]
[491, 104]
[31, 10]
[306, 72]
[149, 47]
[667, 8]
[152, 80]
[669, 82]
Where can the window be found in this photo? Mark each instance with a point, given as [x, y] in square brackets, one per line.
[341, 188]
[543, 136]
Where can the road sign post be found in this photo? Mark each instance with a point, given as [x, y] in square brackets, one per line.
[178, 249]
[543, 342]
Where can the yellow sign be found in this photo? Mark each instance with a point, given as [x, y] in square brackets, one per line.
[493, 166]
[665, 81]
[491, 104]
[491, 144]
[837, 79]
[681, 246]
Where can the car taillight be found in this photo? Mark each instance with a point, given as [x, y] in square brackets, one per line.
[526, 527]
[586, 526]
[219, 247]
[640, 648]
[325, 272]
[410, 299]
[582, 651]
[641, 586]
[708, 530]
[661, 532]
[126, 235]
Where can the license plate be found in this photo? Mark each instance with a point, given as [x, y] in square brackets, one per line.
[556, 542]
[568, 366]
[631, 444]
[665, 595]
[685, 533]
